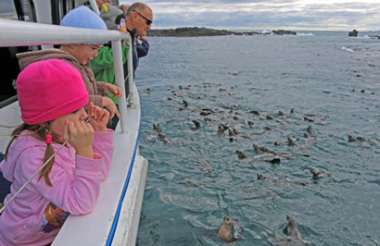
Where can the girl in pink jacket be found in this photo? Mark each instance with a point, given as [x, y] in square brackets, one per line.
[51, 96]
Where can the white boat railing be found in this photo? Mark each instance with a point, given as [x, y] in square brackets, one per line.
[18, 33]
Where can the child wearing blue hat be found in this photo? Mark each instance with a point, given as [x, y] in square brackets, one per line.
[79, 56]
[102, 65]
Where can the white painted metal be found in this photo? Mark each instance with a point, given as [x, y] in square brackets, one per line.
[92, 229]
[117, 56]
[43, 11]
[94, 6]
[131, 80]
[10, 118]
[18, 33]
[131, 208]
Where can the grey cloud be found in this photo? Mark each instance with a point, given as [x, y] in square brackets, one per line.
[267, 14]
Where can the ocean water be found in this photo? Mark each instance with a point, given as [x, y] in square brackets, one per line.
[195, 178]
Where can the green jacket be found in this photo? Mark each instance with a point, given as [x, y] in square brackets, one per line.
[103, 68]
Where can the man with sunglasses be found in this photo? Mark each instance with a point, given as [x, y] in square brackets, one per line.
[142, 44]
[138, 21]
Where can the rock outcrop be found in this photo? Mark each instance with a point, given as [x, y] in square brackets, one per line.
[354, 33]
[202, 31]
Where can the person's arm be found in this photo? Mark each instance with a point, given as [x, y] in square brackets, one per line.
[103, 146]
[103, 137]
[96, 99]
[75, 193]
[142, 49]
[101, 86]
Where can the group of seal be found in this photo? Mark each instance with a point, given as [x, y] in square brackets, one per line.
[361, 139]
[236, 123]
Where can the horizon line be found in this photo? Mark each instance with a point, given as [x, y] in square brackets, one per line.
[246, 29]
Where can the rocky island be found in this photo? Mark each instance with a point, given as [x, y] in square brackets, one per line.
[202, 31]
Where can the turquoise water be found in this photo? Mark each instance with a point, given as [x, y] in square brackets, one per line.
[196, 177]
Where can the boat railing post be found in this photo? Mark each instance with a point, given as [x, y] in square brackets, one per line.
[131, 82]
[94, 7]
[119, 77]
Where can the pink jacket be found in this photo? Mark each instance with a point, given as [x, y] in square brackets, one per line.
[35, 216]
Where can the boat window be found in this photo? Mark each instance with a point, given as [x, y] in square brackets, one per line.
[8, 10]
[25, 10]
[22, 10]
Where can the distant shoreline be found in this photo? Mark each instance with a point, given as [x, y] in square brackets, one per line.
[202, 31]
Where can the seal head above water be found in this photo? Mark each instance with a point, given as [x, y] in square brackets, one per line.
[226, 231]
[294, 237]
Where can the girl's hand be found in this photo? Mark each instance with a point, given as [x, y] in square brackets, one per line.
[113, 89]
[111, 107]
[81, 137]
[98, 117]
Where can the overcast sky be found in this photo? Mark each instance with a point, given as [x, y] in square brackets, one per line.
[343, 15]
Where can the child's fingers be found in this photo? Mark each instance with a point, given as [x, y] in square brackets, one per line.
[90, 109]
[103, 116]
[118, 92]
[66, 134]
[117, 114]
[111, 113]
[95, 111]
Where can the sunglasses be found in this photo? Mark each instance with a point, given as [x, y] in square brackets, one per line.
[148, 22]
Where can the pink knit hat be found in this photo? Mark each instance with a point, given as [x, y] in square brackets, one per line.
[50, 89]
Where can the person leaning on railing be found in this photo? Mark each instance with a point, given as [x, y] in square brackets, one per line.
[103, 64]
[57, 159]
[139, 19]
[79, 56]
[142, 44]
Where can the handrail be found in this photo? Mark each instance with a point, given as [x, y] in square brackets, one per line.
[8, 101]
[19, 33]
[94, 7]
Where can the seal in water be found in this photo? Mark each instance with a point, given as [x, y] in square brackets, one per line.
[221, 130]
[163, 138]
[310, 132]
[232, 132]
[241, 154]
[291, 141]
[262, 150]
[197, 125]
[230, 230]
[157, 128]
[294, 237]
[321, 173]
[226, 231]
[281, 181]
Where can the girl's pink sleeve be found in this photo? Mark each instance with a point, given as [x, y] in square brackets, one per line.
[75, 192]
[103, 146]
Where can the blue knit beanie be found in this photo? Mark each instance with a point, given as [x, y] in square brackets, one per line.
[83, 17]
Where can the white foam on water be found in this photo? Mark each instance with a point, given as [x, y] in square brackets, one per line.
[346, 49]
[305, 34]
